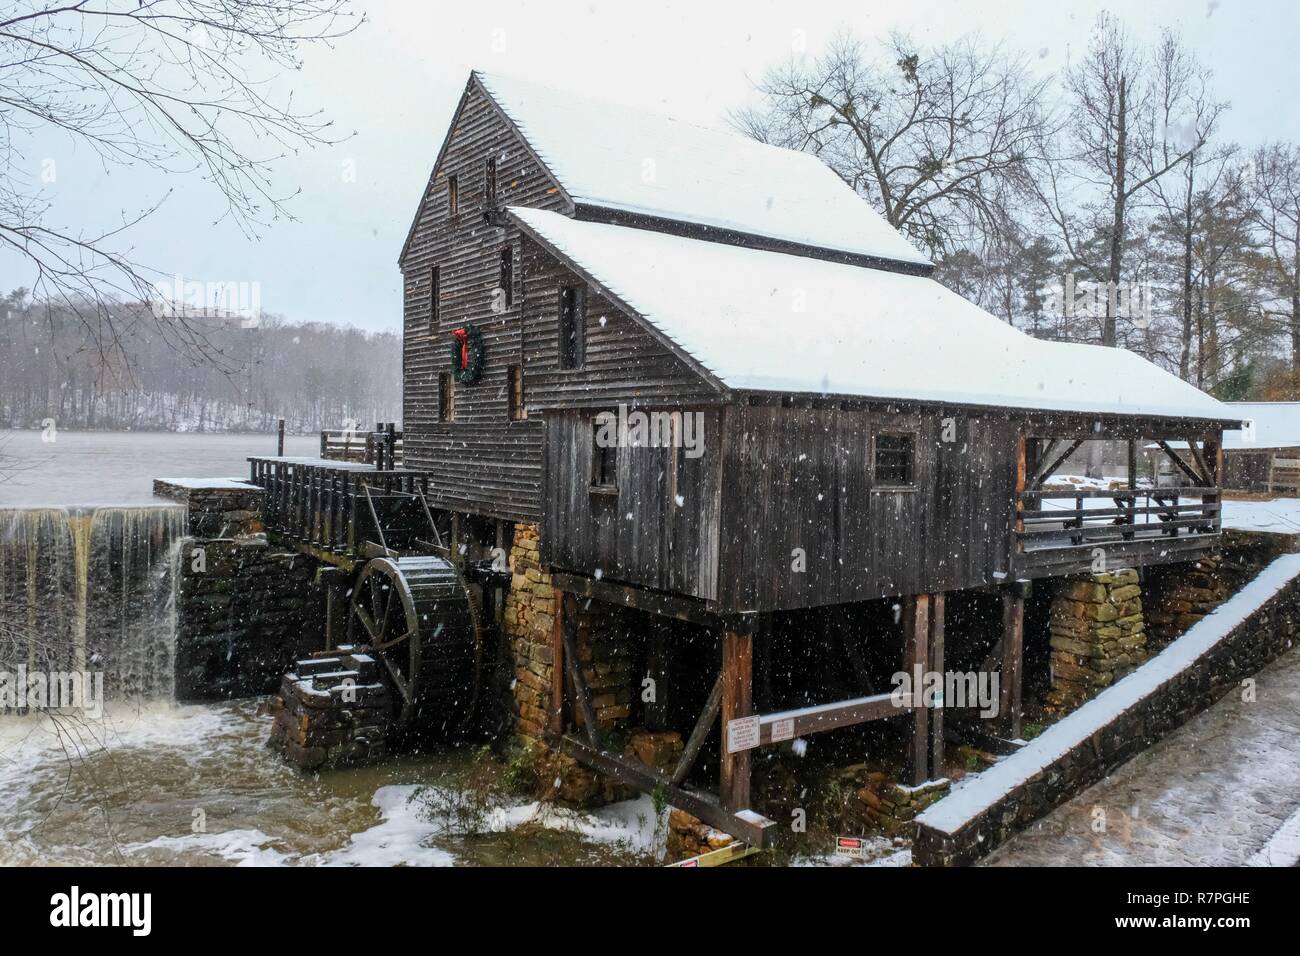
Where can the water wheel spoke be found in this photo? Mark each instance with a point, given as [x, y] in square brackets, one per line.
[367, 621]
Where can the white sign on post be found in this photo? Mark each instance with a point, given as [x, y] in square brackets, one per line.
[782, 730]
[742, 734]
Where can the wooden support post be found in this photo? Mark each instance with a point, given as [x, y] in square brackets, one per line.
[737, 701]
[916, 630]
[279, 439]
[1013, 647]
[1132, 463]
[936, 665]
[699, 734]
[555, 721]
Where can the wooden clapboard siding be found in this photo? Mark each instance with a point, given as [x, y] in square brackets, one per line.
[623, 361]
[644, 533]
[482, 462]
[802, 479]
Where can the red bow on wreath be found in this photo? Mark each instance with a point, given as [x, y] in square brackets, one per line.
[462, 336]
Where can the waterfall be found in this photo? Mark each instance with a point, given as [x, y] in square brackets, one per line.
[92, 589]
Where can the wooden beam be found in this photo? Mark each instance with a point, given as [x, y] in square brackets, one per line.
[1044, 473]
[555, 722]
[1013, 645]
[574, 667]
[737, 701]
[936, 665]
[1182, 465]
[822, 717]
[916, 629]
[699, 733]
[749, 827]
[625, 595]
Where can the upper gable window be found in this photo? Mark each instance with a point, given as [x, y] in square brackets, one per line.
[894, 461]
[490, 182]
[572, 329]
[453, 194]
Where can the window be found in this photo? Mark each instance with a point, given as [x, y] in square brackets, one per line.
[893, 466]
[572, 332]
[604, 459]
[490, 183]
[507, 281]
[516, 378]
[453, 194]
[435, 293]
[446, 397]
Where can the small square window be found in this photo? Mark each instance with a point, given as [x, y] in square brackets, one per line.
[446, 397]
[894, 460]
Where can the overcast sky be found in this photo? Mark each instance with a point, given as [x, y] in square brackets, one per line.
[396, 81]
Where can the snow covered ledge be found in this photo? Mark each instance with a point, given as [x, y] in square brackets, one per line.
[1241, 636]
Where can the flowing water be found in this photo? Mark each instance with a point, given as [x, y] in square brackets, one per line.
[143, 780]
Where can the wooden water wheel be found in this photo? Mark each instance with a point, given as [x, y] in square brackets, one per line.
[420, 618]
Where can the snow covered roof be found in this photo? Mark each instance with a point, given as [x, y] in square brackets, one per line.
[1276, 425]
[769, 321]
[614, 157]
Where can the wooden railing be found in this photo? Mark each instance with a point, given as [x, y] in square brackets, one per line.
[337, 507]
[1057, 528]
[381, 448]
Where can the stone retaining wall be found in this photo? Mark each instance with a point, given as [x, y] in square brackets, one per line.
[1203, 665]
[245, 612]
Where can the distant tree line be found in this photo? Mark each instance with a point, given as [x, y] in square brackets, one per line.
[1098, 205]
[314, 375]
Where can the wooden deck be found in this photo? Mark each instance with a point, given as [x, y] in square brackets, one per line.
[1067, 532]
[333, 508]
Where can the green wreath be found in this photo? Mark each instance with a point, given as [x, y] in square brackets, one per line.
[467, 354]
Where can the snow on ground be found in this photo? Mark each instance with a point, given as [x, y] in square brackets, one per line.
[1217, 791]
[1283, 847]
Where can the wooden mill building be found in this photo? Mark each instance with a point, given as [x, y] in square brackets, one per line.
[828, 429]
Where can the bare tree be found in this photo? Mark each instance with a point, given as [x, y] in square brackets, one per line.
[928, 136]
[1187, 117]
[175, 86]
[1275, 185]
[1115, 148]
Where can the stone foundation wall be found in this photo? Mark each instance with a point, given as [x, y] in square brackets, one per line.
[1256, 628]
[605, 639]
[245, 612]
[1098, 634]
[1176, 601]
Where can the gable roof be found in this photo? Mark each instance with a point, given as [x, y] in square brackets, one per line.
[620, 159]
[766, 321]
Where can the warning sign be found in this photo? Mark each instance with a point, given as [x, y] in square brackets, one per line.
[855, 847]
[742, 734]
[782, 730]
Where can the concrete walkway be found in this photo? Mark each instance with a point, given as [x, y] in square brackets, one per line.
[1211, 793]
